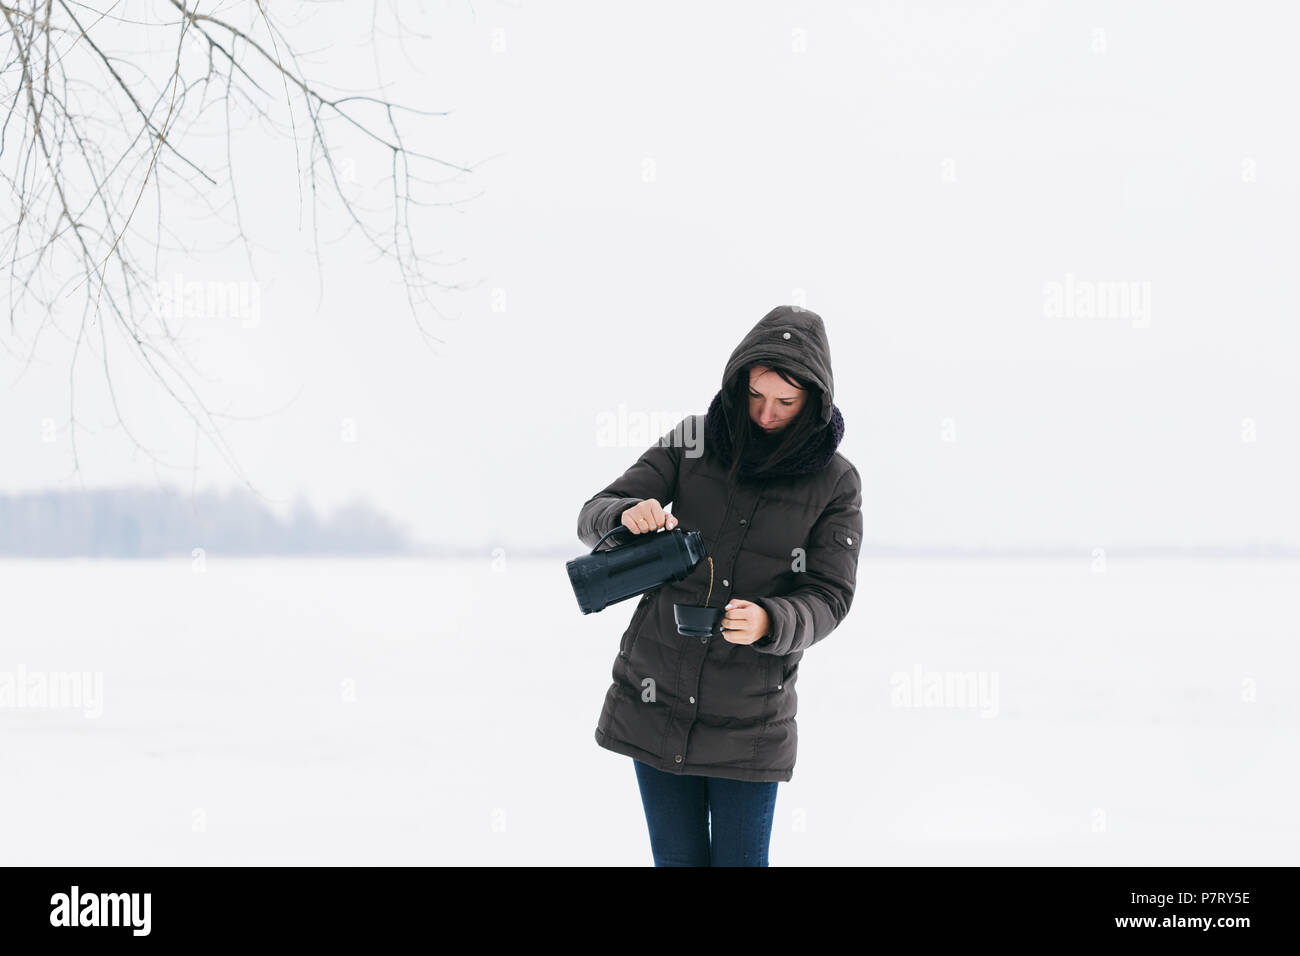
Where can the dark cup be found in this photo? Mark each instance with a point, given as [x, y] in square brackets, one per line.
[695, 620]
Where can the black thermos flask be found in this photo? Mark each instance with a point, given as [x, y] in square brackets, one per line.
[650, 559]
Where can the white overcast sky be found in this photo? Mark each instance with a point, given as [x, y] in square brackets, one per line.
[916, 173]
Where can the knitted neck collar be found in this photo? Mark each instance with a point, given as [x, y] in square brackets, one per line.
[812, 457]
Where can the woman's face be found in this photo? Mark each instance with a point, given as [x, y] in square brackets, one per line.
[773, 402]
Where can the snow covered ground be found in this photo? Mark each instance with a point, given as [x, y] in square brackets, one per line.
[412, 711]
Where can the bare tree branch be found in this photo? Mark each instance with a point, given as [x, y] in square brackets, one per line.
[90, 133]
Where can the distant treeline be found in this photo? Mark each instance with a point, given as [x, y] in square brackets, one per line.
[148, 523]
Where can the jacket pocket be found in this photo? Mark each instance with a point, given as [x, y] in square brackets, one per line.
[775, 704]
[629, 635]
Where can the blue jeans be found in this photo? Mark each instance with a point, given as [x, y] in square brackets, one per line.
[706, 821]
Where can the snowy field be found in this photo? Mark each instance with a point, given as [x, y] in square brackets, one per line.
[266, 711]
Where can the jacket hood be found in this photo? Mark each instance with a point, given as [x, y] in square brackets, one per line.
[791, 337]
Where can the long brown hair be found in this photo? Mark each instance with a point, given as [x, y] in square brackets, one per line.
[805, 424]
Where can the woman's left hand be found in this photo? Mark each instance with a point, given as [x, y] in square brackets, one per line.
[745, 622]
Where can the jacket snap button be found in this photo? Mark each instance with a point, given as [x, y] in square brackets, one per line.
[678, 758]
[692, 700]
[704, 640]
[743, 521]
[778, 686]
[849, 540]
[726, 583]
[785, 335]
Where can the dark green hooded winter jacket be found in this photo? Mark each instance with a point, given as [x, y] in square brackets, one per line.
[706, 706]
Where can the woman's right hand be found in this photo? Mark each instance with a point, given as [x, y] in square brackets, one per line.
[647, 516]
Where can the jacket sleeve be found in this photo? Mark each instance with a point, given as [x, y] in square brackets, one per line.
[653, 475]
[802, 617]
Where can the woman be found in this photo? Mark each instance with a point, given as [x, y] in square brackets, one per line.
[710, 722]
